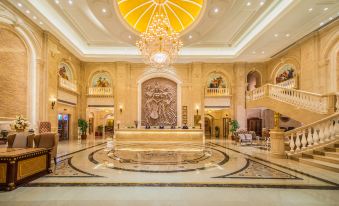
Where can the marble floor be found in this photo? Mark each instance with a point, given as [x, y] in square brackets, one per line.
[176, 173]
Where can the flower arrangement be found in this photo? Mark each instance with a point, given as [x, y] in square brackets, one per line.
[20, 123]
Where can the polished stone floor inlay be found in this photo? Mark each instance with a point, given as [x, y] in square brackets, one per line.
[215, 164]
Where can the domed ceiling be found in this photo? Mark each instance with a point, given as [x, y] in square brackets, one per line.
[181, 13]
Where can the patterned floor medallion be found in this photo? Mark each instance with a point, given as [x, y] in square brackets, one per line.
[65, 168]
[256, 170]
[158, 161]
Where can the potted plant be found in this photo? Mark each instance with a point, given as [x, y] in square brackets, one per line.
[83, 128]
[234, 127]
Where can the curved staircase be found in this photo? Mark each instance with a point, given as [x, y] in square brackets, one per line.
[317, 142]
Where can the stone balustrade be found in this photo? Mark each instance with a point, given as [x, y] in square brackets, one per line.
[313, 135]
[211, 92]
[66, 84]
[289, 84]
[306, 100]
[100, 91]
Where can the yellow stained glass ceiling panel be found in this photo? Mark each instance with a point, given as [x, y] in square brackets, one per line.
[181, 13]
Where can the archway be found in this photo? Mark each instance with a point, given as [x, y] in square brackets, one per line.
[208, 122]
[253, 80]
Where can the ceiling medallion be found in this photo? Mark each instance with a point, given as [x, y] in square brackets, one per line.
[159, 44]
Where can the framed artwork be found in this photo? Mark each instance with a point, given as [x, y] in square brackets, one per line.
[65, 71]
[101, 79]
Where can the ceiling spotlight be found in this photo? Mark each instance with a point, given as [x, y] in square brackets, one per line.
[27, 11]
[70, 2]
[262, 3]
[103, 10]
[248, 3]
[276, 35]
[310, 9]
[263, 52]
[287, 35]
[57, 1]
[129, 36]
[34, 17]
[20, 4]
[41, 23]
[190, 36]
[322, 23]
[331, 18]
[253, 52]
[325, 9]
[216, 10]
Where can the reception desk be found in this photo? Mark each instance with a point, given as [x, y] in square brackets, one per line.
[160, 135]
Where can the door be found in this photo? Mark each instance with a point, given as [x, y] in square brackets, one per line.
[255, 124]
[63, 126]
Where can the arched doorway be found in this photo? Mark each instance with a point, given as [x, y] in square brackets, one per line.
[253, 80]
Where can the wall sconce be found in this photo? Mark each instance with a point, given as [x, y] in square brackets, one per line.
[197, 108]
[120, 108]
[53, 101]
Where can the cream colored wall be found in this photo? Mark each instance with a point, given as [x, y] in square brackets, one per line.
[315, 58]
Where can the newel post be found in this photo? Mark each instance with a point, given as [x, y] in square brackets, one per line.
[277, 139]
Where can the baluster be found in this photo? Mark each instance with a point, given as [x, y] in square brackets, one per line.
[297, 142]
[315, 136]
[332, 130]
[309, 137]
[326, 132]
[303, 140]
[292, 145]
[321, 133]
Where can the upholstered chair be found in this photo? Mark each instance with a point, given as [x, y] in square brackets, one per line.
[48, 140]
[25, 142]
[44, 127]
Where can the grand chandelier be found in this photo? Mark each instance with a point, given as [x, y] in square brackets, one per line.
[160, 44]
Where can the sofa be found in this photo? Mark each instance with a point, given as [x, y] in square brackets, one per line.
[243, 136]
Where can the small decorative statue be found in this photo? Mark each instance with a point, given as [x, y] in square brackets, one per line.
[161, 126]
[185, 126]
[173, 126]
[147, 126]
[136, 123]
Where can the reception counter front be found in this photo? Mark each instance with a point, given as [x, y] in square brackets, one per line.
[160, 135]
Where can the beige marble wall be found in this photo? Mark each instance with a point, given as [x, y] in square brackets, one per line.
[315, 58]
[14, 73]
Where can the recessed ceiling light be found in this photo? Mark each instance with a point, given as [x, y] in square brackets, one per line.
[216, 10]
[263, 52]
[253, 52]
[103, 10]
[20, 4]
[276, 35]
[262, 3]
[287, 35]
[57, 1]
[325, 9]
[310, 9]
[190, 36]
[34, 17]
[331, 18]
[70, 2]
[322, 23]
[248, 3]
[129, 36]
[41, 23]
[27, 11]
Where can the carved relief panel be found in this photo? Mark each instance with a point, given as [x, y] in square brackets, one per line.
[159, 102]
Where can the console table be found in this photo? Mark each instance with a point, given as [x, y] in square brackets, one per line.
[20, 165]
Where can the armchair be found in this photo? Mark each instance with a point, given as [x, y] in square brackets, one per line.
[20, 140]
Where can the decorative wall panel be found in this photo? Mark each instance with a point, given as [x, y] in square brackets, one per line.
[159, 102]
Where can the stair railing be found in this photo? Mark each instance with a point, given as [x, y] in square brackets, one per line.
[323, 104]
[313, 135]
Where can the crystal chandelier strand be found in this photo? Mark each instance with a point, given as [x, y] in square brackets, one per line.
[160, 44]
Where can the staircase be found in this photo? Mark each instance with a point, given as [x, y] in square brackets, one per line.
[305, 107]
[316, 144]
